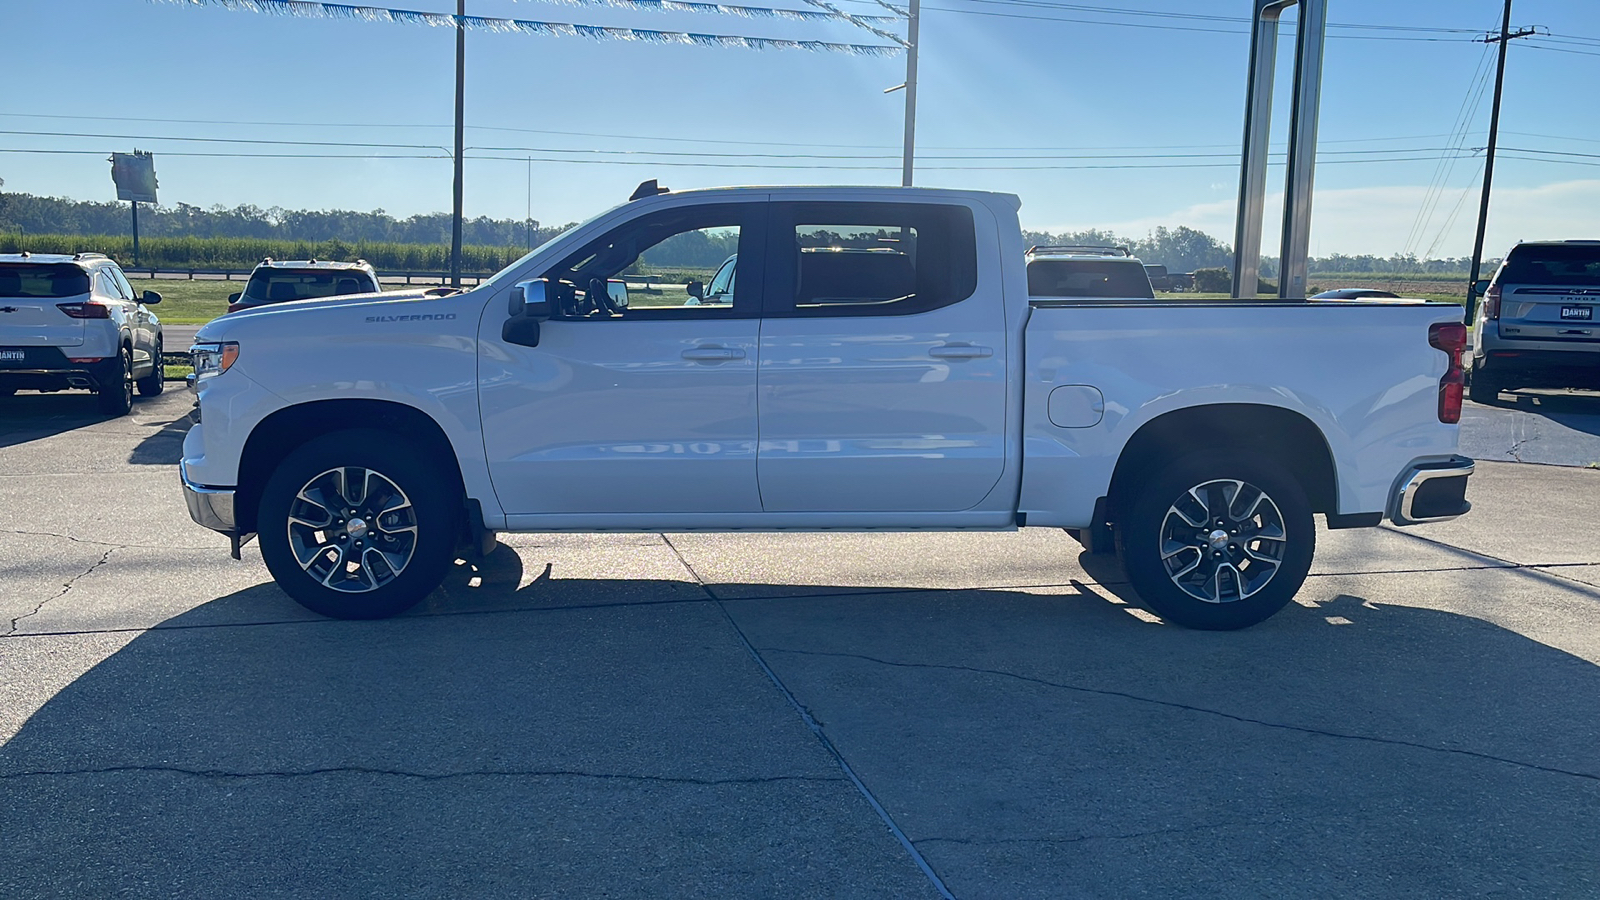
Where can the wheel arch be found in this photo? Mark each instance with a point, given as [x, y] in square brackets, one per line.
[1283, 435]
[280, 433]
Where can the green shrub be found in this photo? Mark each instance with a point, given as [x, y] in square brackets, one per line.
[1213, 280]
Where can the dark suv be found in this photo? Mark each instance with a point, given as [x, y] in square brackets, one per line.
[1536, 323]
[282, 281]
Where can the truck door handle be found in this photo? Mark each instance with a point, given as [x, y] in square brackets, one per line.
[960, 351]
[711, 354]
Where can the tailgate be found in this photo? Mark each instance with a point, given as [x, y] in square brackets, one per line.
[1550, 313]
[31, 322]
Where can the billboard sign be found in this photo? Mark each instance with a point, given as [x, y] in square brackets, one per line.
[135, 176]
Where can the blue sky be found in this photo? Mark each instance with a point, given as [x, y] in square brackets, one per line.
[1152, 84]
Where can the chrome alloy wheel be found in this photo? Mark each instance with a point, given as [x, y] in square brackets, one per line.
[352, 529]
[1223, 541]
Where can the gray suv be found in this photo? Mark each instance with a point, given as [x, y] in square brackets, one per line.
[1535, 326]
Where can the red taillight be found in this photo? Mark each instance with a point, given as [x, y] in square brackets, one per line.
[1491, 302]
[89, 310]
[85, 360]
[235, 307]
[1451, 337]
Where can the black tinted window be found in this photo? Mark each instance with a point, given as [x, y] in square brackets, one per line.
[283, 285]
[837, 259]
[42, 280]
[1573, 265]
[1088, 278]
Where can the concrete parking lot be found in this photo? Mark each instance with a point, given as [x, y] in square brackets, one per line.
[967, 715]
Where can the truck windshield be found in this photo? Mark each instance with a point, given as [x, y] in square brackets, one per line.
[42, 280]
[1572, 265]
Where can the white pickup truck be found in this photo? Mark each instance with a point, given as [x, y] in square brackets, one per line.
[881, 366]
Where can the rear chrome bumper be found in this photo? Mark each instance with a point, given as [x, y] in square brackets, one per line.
[1432, 492]
[208, 507]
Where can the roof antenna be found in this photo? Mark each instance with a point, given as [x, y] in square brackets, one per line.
[648, 189]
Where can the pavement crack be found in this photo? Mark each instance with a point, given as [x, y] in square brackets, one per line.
[112, 544]
[1186, 707]
[65, 588]
[1080, 838]
[222, 774]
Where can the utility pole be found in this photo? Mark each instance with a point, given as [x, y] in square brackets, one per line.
[910, 151]
[461, 94]
[1504, 40]
[908, 155]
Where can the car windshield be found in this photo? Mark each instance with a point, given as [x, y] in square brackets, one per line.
[1570, 265]
[283, 285]
[44, 281]
[1088, 278]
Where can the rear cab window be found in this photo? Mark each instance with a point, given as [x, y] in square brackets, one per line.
[881, 259]
[44, 281]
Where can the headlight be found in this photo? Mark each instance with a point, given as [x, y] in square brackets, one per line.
[213, 359]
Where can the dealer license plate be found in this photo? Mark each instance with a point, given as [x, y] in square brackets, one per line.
[11, 356]
[1584, 313]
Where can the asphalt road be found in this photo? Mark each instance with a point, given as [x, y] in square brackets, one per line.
[784, 715]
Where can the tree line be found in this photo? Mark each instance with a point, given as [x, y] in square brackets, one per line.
[1180, 249]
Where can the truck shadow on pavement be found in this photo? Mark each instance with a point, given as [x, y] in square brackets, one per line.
[1579, 411]
[588, 737]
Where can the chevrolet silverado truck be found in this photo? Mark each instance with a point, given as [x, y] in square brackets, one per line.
[882, 366]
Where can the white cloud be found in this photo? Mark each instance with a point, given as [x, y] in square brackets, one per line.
[1379, 220]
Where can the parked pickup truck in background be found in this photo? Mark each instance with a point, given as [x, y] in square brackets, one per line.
[882, 366]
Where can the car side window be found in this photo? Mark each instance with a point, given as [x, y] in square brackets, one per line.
[654, 267]
[875, 259]
[108, 285]
[121, 281]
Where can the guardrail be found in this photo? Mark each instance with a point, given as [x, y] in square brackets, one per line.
[644, 282]
[474, 278]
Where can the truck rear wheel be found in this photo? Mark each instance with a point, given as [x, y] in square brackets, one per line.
[357, 525]
[1217, 541]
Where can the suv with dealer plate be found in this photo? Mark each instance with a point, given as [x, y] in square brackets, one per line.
[74, 322]
[1536, 323]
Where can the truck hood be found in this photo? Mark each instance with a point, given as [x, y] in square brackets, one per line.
[339, 313]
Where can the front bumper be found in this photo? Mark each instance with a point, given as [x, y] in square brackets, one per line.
[209, 507]
[1432, 492]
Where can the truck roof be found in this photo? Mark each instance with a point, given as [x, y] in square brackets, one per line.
[860, 191]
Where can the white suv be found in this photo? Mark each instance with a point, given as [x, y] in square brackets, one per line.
[74, 322]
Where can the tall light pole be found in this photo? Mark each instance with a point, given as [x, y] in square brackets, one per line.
[461, 94]
[1488, 162]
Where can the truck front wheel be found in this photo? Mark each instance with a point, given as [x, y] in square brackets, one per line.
[357, 525]
[1217, 541]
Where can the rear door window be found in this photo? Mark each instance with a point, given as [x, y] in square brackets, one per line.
[874, 259]
[45, 281]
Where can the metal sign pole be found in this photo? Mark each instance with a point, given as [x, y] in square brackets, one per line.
[136, 233]
[1294, 253]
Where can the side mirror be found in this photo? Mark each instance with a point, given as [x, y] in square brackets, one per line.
[1480, 287]
[528, 306]
[234, 298]
[150, 298]
[696, 290]
[617, 289]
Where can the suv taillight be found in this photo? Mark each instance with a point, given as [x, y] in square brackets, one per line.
[1491, 302]
[90, 310]
[1451, 337]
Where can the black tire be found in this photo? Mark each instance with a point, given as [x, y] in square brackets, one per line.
[1483, 388]
[156, 381]
[116, 399]
[1160, 516]
[375, 589]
